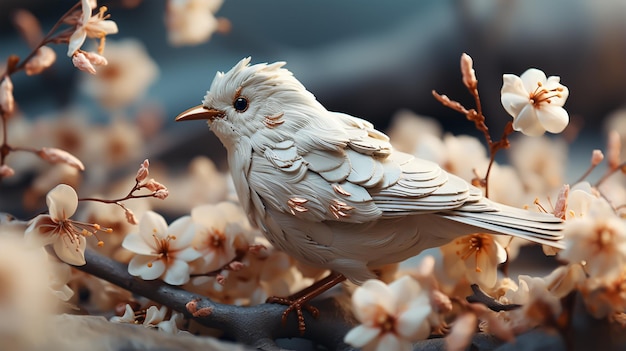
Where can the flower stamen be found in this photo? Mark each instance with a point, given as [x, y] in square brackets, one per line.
[541, 95]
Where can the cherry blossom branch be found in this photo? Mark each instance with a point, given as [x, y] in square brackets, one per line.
[256, 325]
[157, 189]
[478, 118]
[62, 37]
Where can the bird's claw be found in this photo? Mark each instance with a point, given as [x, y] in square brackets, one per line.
[296, 305]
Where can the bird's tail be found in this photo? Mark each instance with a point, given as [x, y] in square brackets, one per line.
[542, 228]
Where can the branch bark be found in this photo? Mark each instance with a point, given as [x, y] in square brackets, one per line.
[258, 326]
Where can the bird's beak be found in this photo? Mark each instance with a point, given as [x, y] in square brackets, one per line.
[199, 112]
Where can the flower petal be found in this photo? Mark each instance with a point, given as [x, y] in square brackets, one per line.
[138, 266]
[136, 243]
[208, 216]
[371, 299]
[514, 103]
[152, 223]
[76, 41]
[71, 252]
[527, 122]
[390, 341]
[41, 231]
[97, 27]
[177, 273]
[361, 335]
[512, 84]
[155, 315]
[187, 254]
[413, 324]
[404, 290]
[183, 230]
[553, 118]
[531, 78]
[62, 202]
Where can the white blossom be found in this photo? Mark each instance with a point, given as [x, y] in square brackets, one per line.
[535, 102]
[391, 316]
[162, 251]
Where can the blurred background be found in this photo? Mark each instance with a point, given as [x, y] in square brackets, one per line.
[368, 59]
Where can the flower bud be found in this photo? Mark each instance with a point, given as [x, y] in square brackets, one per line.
[96, 59]
[596, 157]
[43, 59]
[161, 194]
[153, 185]
[54, 155]
[6, 171]
[143, 171]
[7, 102]
[81, 62]
[130, 217]
[467, 70]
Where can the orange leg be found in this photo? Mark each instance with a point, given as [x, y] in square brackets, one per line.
[299, 300]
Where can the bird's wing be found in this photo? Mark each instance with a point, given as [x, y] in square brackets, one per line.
[399, 183]
[283, 180]
[357, 183]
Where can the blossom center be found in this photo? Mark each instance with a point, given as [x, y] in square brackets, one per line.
[542, 95]
[162, 246]
[70, 231]
[216, 239]
[604, 238]
[473, 245]
[387, 323]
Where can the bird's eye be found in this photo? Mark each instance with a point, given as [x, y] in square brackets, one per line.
[240, 104]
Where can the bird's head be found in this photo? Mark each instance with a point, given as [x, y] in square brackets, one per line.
[253, 101]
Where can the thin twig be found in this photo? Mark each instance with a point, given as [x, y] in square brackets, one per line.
[479, 296]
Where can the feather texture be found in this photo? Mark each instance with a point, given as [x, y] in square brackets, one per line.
[329, 189]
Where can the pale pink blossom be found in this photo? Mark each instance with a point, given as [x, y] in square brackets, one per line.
[475, 257]
[535, 102]
[66, 236]
[127, 76]
[598, 239]
[43, 59]
[162, 251]
[222, 230]
[54, 155]
[191, 22]
[97, 26]
[538, 304]
[392, 316]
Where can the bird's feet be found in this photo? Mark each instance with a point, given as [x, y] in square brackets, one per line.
[296, 305]
[299, 301]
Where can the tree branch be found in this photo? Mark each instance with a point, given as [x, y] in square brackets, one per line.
[256, 325]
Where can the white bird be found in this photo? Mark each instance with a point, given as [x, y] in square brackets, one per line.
[328, 189]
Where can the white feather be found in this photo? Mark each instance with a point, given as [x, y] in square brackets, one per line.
[329, 189]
